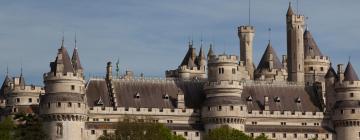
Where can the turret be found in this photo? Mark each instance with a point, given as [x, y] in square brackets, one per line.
[246, 35]
[270, 68]
[316, 64]
[75, 59]
[223, 105]
[346, 109]
[295, 46]
[63, 106]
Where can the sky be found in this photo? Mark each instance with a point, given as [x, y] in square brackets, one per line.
[151, 36]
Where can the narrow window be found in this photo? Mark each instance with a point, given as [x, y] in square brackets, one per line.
[197, 134]
[284, 135]
[30, 100]
[37, 100]
[59, 129]
[186, 133]
[72, 87]
[58, 104]
[79, 105]
[69, 104]
[273, 135]
[306, 135]
[231, 107]
[17, 100]
[219, 70]
[295, 135]
[93, 132]
[48, 105]
[233, 71]
[352, 111]
[219, 108]
[351, 94]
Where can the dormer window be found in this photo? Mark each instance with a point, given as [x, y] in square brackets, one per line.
[99, 102]
[249, 98]
[277, 99]
[166, 97]
[298, 100]
[137, 95]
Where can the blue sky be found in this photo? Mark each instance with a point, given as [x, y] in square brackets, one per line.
[151, 36]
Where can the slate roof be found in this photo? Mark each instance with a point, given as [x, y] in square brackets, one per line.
[62, 58]
[189, 59]
[151, 95]
[310, 46]
[350, 73]
[112, 125]
[286, 94]
[330, 73]
[265, 59]
[75, 59]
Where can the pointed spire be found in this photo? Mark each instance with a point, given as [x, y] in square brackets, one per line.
[75, 59]
[63, 59]
[211, 52]
[330, 73]
[62, 41]
[290, 12]
[75, 41]
[22, 79]
[310, 46]
[350, 73]
[266, 59]
[201, 53]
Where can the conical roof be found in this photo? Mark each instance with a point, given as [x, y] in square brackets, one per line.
[330, 73]
[310, 46]
[289, 12]
[211, 52]
[266, 59]
[189, 59]
[350, 73]
[75, 59]
[4, 85]
[22, 81]
[64, 59]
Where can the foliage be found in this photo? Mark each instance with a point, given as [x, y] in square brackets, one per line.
[226, 133]
[262, 137]
[29, 128]
[139, 130]
[7, 128]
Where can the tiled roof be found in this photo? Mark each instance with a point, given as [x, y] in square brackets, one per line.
[266, 59]
[310, 46]
[350, 73]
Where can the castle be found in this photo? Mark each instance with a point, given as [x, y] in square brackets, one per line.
[300, 97]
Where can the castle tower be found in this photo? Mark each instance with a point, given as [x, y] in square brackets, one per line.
[295, 46]
[316, 64]
[246, 35]
[270, 68]
[223, 105]
[346, 110]
[63, 106]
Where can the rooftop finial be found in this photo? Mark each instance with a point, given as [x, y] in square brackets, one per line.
[269, 34]
[349, 58]
[75, 41]
[7, 70]
[21, 70]
[249, 11]
[62, 40]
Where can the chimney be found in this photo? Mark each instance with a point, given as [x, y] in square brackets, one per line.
[109, 71]
[266, 103]
[340, 72]
[180, 101]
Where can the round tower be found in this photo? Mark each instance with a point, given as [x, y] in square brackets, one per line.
[223, 90]
[295, 46]
[63, 106]
[346, 111]
[246, 35]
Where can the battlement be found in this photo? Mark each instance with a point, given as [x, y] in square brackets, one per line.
[60, 75]
[298, 18]
[347, 84]
[272, 83]
[246, 29]
[29, 89]
[192, 70]
[317, 58]
[224, 84]
[143, 111]
[223, 58]
[285, 114]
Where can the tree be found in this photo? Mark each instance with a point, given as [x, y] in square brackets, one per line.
[226, 133]
[7, 128]
[262, 137]
[132, 129]
[29, 128]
